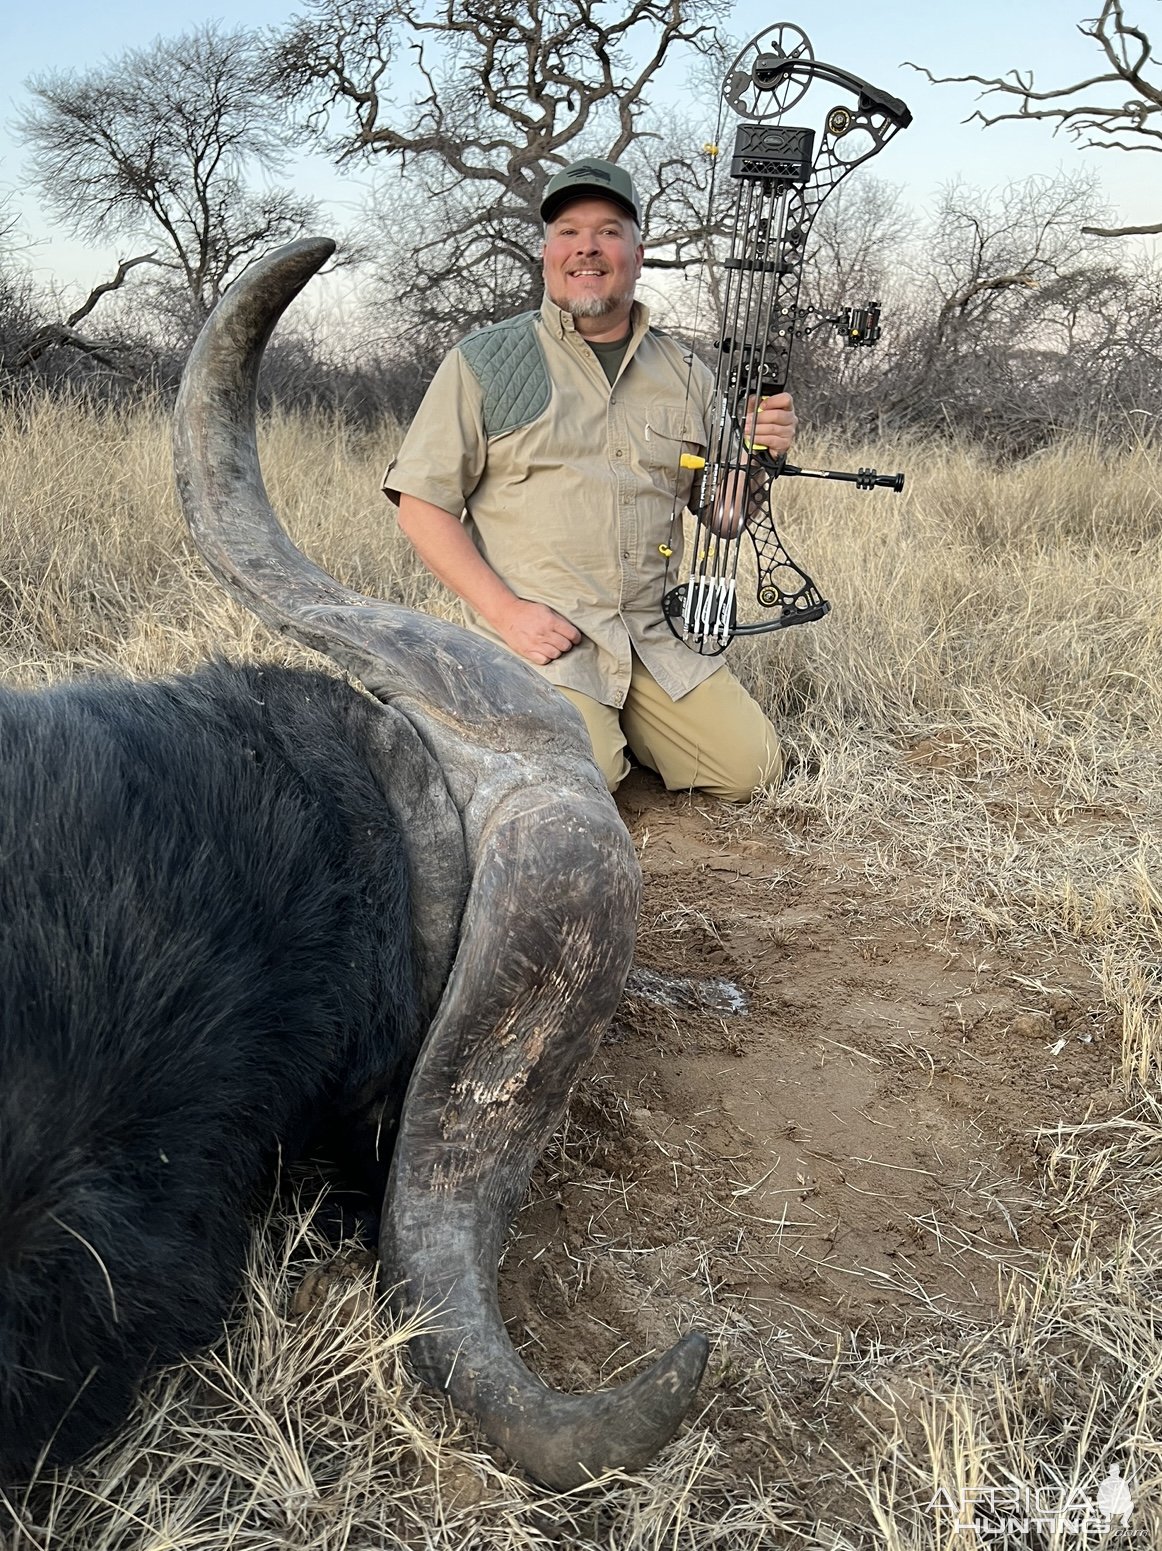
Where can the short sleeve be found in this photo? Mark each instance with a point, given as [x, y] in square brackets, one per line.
[442, 456]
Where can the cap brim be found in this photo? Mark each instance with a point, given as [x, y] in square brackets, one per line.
[555, 203]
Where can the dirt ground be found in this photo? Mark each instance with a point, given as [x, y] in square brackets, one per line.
[816, 1122]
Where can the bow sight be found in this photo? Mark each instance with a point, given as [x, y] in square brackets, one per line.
[782, 177]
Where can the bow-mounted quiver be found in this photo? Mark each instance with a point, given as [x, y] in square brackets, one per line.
[781, 176]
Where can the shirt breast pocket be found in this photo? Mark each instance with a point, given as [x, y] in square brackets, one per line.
[671, 432]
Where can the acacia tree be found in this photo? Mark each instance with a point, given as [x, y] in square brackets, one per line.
[158, 146]
[1095, 111]
[507, 91]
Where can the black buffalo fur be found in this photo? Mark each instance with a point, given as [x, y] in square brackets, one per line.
[205, 951]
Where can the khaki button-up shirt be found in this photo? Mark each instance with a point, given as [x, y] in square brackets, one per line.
[572, 509]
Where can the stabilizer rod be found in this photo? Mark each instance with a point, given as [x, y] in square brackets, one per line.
[862, 479]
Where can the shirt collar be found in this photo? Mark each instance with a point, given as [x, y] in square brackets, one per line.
[563, 323]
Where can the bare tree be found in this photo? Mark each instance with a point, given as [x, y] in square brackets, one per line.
[507, 92]
[18, 311]
[993, 321]
[1003, 321]
[158, 146]
[1086, 109]
[64, 332]
[856, 252]
[9, 227]
[855, 240]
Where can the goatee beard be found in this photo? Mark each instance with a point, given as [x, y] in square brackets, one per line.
[594, 306]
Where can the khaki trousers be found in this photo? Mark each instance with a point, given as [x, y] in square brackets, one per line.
[715, 739]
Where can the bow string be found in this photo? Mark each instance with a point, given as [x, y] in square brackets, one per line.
[781, 175]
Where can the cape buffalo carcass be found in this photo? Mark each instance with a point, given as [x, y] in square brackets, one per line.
[243, 903]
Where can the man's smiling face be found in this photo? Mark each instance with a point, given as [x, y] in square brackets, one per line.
[592, 259]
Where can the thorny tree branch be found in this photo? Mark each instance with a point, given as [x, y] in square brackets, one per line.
[1132, 125]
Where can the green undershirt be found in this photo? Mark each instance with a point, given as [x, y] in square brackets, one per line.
[611, 354]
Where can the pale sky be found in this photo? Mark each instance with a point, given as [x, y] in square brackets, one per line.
[870, 39]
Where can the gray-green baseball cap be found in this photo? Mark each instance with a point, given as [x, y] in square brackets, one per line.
[590, 179]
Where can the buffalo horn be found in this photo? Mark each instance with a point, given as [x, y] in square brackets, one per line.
[499, 794]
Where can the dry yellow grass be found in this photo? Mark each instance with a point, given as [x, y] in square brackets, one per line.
[981, 711]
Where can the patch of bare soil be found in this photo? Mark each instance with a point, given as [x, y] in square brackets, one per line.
[815, 1122]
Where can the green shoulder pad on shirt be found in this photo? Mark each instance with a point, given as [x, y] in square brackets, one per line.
[509, 364]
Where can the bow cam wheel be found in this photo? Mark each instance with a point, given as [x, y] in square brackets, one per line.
[767, 78]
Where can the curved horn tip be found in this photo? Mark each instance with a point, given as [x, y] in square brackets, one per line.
[255, 301]
[296, 261]
[571, 1440]
[318, 249]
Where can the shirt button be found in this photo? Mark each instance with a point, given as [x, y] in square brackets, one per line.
[617, 454]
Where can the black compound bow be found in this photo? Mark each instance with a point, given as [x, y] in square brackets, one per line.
[782, 179]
